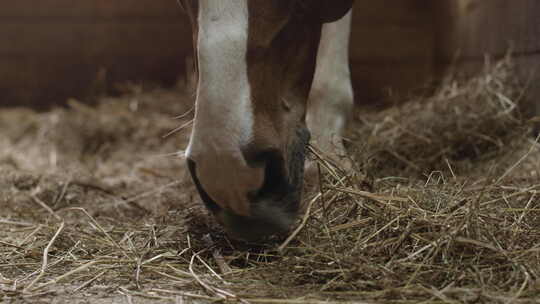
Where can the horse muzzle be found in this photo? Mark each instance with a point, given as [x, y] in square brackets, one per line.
[273, 208]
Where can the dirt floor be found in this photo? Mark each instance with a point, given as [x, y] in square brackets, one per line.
[441, 207]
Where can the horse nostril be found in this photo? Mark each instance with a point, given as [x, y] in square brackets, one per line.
[275, 184]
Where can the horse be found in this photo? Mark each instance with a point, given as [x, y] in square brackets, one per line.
[271, 75]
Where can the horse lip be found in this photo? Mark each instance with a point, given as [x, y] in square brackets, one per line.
[207, 200]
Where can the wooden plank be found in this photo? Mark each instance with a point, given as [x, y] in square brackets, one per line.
[392, 46]
[84, 9]
[396, 12]
[477, 27]
[386, 44]
[385, 84]
[33, 81]
[114, 38]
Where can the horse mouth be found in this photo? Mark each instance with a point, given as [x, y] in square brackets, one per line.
[274, 208]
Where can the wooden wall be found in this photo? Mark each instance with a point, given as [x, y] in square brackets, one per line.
[392, 48]
[54, 49]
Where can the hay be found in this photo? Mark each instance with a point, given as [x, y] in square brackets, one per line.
[442, 207]
[463, 122]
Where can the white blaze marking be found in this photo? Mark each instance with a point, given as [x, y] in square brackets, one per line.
[223, 111]
[223, 90]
